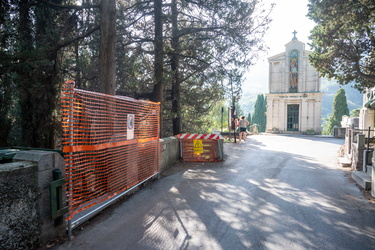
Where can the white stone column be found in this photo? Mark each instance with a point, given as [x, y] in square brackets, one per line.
[304, 75]
[276, 114]
[318, 111]
[269, 77]
[316, 123]
[282, 79]
[303, 115]
[269, 116]
[312, 114]
[282, 115]
[285, 82]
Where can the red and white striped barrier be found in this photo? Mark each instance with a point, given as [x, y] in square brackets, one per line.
[200, 136]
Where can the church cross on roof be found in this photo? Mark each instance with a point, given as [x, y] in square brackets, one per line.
[294, 33]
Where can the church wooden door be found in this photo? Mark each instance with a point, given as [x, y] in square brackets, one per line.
[293, 117]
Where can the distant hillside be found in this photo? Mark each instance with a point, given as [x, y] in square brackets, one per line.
[247, 102]
[329, 88]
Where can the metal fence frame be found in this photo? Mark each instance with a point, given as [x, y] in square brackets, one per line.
[100, 127]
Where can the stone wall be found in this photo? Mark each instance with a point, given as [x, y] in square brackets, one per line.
[25, 215]
[357, 158]
[169, 152]
[19, 225]
[355, 147]
[339, 132]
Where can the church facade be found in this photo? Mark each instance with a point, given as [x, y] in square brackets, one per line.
[294, 101]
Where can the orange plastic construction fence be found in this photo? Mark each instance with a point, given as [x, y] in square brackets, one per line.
[111, 143]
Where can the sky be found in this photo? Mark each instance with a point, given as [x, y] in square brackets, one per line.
[287, 16]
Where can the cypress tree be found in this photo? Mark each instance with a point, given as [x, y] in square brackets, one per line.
[249, 120]
[339, 108]
[259, 116]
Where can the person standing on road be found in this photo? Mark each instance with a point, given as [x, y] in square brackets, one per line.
[243, 124]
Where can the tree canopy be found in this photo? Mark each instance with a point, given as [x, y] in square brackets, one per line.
[344, 41]
[181, 53]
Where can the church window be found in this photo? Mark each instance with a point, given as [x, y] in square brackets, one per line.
[293, 72]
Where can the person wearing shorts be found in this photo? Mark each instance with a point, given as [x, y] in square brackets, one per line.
[242, 124]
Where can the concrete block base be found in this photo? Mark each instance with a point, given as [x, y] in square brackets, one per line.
[345, 162]
[369, 169]
[362, 179]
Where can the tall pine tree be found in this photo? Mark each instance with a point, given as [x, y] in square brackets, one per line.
[340, 108]
[259, 116]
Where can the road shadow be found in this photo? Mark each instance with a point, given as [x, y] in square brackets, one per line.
[272, 200]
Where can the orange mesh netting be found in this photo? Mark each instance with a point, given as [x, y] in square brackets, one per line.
[111, 143]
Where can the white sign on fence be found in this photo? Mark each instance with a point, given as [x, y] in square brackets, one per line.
[130, 127]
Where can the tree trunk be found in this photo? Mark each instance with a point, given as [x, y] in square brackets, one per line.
[38, 80]
[107, 54]
[158, 92]
[77, 69]
[176, 95]
[23, 77]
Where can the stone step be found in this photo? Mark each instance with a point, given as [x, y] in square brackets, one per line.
[369, 169]
[345, 162]
[362, 179]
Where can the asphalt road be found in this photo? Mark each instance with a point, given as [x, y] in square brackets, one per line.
[272, 192]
